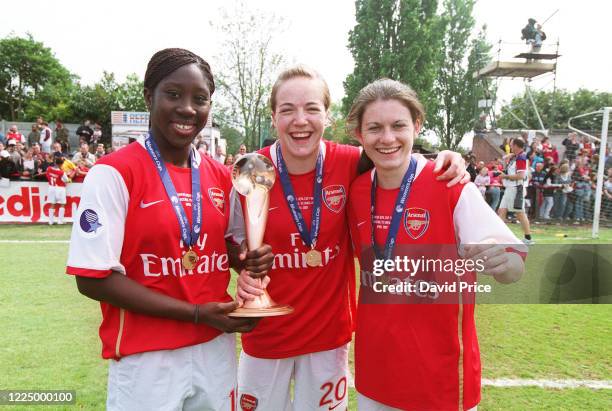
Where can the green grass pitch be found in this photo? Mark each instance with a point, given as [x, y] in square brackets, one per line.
[49, 333]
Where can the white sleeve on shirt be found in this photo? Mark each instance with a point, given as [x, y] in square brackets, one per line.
[98, 228]
[475, 221]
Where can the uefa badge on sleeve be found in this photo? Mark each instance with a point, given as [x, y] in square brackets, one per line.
[91, 223]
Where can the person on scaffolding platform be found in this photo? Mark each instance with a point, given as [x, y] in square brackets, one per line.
[533, 34]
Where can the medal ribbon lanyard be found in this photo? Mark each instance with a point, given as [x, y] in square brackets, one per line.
[309, 238]
[189, 237]
[398, 210]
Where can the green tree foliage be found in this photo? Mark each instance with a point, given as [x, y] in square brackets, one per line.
[27, 69]
[96, 102]
[247, 67]
[336, 130]
[456, 87]
[555, 109]
[399, 39]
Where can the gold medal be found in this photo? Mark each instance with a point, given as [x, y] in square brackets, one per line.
[314, 258]
[190, 259]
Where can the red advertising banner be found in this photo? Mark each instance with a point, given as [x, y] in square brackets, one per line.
[26, 202]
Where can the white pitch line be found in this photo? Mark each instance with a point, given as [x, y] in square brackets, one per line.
[558, 384]
[34, 241]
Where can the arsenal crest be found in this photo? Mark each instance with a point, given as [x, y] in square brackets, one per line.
[416, 221]
[218, 200]
[334, 197]
[248, 402]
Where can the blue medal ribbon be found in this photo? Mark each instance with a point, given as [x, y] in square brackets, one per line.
[189, 237]
[309, 238]
[398, 210]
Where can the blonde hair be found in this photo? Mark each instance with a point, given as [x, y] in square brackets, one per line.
[384, 89]
[299, 71]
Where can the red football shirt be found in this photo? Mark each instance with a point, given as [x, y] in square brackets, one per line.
[323, 297]
[420, 356]
[126, 223]
[54, 177]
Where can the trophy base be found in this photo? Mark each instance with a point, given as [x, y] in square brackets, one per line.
[273, 311]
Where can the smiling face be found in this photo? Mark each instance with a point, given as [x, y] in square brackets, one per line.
[387, 133]
[179, 106]
[299, 117]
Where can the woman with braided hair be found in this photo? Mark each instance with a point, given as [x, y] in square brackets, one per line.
[149, 243]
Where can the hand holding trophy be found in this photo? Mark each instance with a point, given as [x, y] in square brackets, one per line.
[253, 176]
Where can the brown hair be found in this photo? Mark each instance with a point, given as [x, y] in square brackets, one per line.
[384, 89]
[299, 71]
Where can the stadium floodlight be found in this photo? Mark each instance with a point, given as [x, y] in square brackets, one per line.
[603, 142]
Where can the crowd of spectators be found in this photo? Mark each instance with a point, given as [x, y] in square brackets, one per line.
[26, 158]
[560, 190]
[220, 156]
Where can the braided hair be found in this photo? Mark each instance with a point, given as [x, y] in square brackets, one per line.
[169, 60]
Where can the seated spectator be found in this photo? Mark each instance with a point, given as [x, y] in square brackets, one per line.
[14, 134]
[7, 167]
[80, 172]
[482, 180]
[84, 154]
[36, 153]
[21, 148]
[29, 166]
[57, 147]
[14, 155]
[99, 151]
[42, 163]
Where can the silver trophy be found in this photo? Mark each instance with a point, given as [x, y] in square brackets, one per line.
[253, 176]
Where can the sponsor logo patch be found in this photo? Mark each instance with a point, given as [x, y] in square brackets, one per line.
[89, 221]
[416, 221]
[334, 197]
[217, 199]
[248, 402]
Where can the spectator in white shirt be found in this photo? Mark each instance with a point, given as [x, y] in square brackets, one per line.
[84, 155]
